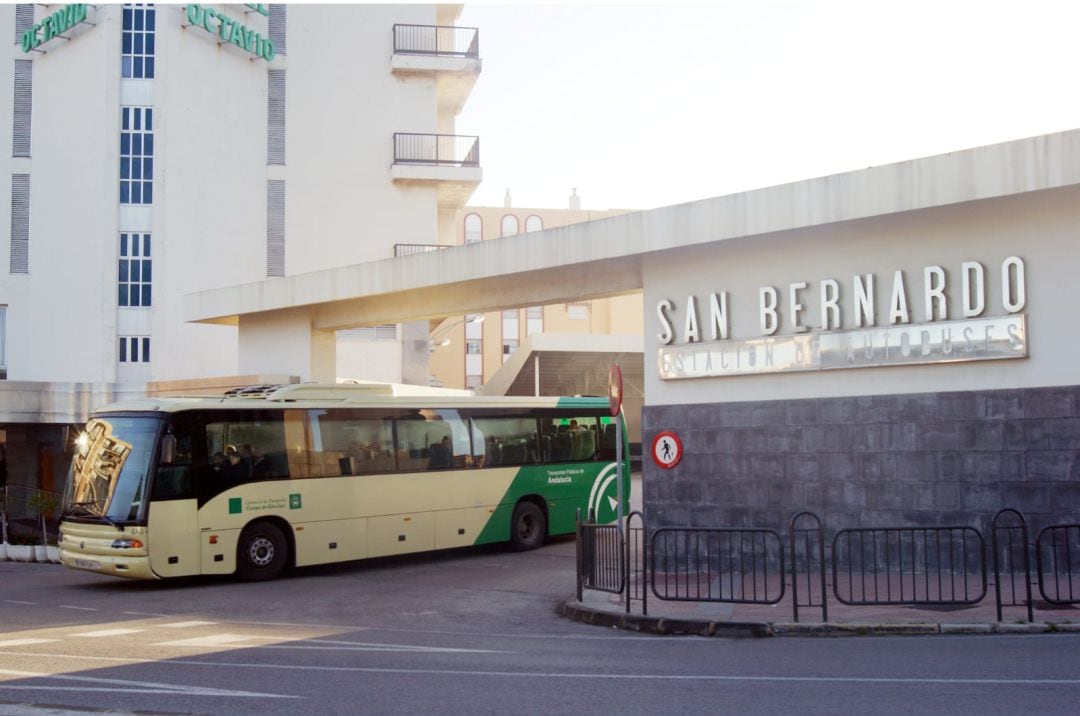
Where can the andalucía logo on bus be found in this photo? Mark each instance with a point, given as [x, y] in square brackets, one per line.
[603, 499]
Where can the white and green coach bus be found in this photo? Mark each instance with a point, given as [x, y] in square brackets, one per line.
[266, 479]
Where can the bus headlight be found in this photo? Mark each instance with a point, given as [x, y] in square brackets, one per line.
[127, 544]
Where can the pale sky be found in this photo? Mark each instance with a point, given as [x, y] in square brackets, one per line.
[641, 106]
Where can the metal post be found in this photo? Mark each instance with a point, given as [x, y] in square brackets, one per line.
[619, 469]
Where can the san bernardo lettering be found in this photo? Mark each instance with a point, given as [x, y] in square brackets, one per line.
[52, 26]
[231, 31]
[901, 342]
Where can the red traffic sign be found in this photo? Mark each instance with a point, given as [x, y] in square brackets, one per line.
[667, 449]
[615, 389]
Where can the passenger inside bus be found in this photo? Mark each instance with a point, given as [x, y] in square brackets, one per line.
[442, 455]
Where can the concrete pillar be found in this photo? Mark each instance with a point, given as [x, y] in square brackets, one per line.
[286, 342]
[414, 353]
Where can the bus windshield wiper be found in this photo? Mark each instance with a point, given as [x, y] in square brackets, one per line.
[84, 506]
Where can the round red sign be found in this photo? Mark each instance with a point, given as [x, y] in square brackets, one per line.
[615, 389]
[667, 449]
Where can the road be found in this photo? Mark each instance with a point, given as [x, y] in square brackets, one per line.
[471, 631]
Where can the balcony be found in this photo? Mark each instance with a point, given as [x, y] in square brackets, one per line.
[410, 249]
[450, 53]
[450, 161]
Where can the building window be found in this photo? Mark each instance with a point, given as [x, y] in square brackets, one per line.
[134, 349]
[509, 225]
[577, 311]
[135, 274]
[474, 229]
[474, 357]
[372, 334]
[534, 320]
[137, 56]
[510, 335]
[136, 155]
[534, 223]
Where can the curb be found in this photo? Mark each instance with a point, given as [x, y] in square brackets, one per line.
[663, 625]
[576, 611]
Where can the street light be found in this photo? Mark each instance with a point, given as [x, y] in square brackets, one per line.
[438, 337]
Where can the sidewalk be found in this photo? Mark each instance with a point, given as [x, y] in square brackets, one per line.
[755, 620]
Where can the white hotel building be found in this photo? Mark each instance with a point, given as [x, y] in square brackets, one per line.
[161, 150]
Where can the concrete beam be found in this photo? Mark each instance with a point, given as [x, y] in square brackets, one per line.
[566, 263]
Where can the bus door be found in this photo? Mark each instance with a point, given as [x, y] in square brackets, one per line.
[173, 520]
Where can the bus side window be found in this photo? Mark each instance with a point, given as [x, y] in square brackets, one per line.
[172, 480]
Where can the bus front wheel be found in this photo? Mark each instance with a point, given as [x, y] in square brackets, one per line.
[528, 527]
[262, 552]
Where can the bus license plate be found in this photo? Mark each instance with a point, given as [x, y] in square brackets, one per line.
[87, 564]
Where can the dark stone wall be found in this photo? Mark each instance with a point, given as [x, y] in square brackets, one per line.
[928, 459]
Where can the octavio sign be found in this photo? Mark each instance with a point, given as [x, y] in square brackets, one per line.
[231, 31]
[60, 21]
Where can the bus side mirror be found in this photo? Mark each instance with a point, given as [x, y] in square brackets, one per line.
[168, 448]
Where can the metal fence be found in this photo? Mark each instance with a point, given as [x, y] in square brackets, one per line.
[22, 510]
[452, 150]
[915, 566]
[909, 565]
[717, 565]
[1057, 559]
[443, 40]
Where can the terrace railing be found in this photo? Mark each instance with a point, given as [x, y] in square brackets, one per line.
[440, 40]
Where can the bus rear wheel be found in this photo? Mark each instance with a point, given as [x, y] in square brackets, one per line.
[262, 552]
[528, 527]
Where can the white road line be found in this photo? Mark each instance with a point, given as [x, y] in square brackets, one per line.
[16, 601]
[108, 632]
[123, 685]
[185, 625]
[213, 640]
[25, 642]
[81, 609]
[217, 665]
[332, 645]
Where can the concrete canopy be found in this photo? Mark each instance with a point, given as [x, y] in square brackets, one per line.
[605, 257]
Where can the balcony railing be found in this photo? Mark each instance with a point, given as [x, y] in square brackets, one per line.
[437, 150]
[409, 249]
[448, 41]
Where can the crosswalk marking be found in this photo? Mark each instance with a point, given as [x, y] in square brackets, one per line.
[89, 683]
[214, 640]
[25, 642]
[109, 632]
[185, 625]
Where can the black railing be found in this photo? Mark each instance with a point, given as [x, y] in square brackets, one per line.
[437, 149]
[637, 562]
[443, 40]
[909, 565]
[692, 564]
[1009, 549]
[410, 249]
[913, 566]
[603, 558]
[807, 548]
[1057, 556]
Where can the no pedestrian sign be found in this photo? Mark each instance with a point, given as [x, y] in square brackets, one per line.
[667, 449]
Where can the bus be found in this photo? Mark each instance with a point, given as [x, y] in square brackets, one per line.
[270, 478]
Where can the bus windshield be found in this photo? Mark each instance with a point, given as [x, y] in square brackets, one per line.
[110, 471]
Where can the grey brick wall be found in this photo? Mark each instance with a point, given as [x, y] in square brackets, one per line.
[928, 459]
